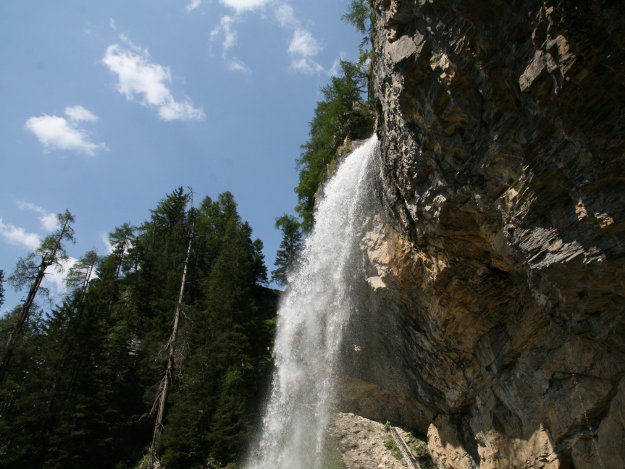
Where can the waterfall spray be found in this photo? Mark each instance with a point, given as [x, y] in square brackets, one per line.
[312, 318]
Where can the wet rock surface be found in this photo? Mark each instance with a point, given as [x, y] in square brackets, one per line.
[501, 269]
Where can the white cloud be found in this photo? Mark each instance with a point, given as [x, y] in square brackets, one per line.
[226, 31]
[235, 65]
[336, 65]
[56, 275]
[78, 113]
[59, 133]
[138, 77]
[306, 65]
[193, 4]
[49, 221]
[107, 244]
[173, 110]
[303, 48]
[244, 5]
[112, 24]
[286, 16]
[19, 236]
[239, 6]
[304, 44]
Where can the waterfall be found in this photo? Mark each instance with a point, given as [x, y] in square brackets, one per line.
[313, 315]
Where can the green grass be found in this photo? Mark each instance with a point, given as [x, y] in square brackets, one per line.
[420, 449]
[390, 444]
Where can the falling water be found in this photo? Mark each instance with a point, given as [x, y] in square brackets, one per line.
[313, 315]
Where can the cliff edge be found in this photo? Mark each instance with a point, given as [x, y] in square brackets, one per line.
[502, 267]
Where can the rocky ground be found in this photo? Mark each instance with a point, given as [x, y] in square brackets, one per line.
[365, 443]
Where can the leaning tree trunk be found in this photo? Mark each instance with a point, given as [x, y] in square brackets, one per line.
[161, 395]
[24, 313]
[46, 262]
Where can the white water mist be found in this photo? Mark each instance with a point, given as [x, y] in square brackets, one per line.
[312, 318]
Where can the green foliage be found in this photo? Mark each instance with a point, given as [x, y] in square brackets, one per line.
[122, 241]
[389, 442]
[31, 271]
[81, 384]
[342, 114]
[25, 272]
[51, 252]
[212, 413]
[289, 249]
[82, 272]
[359, 15]
[420, 450]
[52, 248]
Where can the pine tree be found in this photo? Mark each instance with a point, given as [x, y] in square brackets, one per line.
[22, 402]
[83, 376]
[81, 419]
[171, 355]
[216, 399]
[122, 242]
[51, 252]
[82, 272]
[289, 249]
[160, 247]
[112, 301]
[359, 15]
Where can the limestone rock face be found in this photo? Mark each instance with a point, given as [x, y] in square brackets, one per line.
[502, 265]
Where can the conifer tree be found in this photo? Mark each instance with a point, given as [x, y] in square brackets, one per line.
[82, 272]
[122, 242]
[343, 113]
[22, 402]
[359, 15]
[171, 354]
[83, 376]
[51, 252]
[216, 399]
[289, 248]
[81, 418]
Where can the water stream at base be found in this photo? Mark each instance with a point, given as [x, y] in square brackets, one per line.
[313, 315]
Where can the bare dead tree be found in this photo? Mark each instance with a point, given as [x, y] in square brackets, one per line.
[161, 395]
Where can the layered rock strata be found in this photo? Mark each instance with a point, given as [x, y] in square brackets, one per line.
[501, 271]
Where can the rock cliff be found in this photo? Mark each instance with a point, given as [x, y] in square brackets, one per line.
[500, 272]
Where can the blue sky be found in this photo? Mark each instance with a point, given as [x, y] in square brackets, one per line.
[108, 106]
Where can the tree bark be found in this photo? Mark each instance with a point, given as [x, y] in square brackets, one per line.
[161, 396]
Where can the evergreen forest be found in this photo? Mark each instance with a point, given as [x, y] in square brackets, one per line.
[84, 380]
